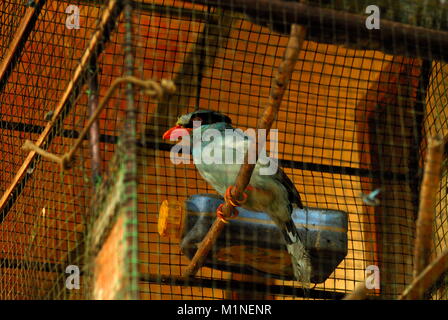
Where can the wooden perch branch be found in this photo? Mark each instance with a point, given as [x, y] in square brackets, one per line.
[279, 84]
[424, 275]
[151, 88]
[425, 221]
[427, 278]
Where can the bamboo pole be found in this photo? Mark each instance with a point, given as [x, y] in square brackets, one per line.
[128, 145]
[279, 85]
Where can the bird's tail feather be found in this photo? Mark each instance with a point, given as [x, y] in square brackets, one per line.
[299, 256]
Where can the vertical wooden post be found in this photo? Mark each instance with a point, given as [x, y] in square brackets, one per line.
[387, 119]
[128, 151]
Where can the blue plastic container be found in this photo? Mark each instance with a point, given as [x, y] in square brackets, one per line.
[252, 244]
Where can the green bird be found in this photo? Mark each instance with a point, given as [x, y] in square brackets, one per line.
[272, 193]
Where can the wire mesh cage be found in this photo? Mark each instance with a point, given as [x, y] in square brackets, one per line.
[354, 131]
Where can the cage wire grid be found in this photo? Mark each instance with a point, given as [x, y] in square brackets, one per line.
[351, 121]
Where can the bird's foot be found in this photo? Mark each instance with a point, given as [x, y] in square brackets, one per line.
[234, 202]
[220, 215]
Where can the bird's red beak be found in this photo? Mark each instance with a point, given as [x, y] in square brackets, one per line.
[176, 132]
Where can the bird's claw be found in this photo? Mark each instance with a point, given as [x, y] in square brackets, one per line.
[236, 203]
[220, 215]
[233, 204]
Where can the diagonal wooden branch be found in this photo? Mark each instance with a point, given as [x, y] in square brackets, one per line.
[279, 85]
[425, 275]
[429, 189]
[426, 278]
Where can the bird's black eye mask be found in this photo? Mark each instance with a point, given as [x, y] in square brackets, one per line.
[207, 118]
[184, 125]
